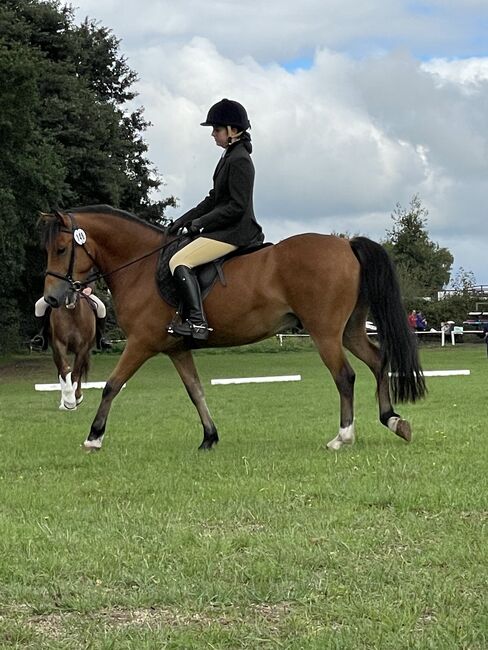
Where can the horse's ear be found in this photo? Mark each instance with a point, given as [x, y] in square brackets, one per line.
[56, 215]
[61, 217]
[45, 218]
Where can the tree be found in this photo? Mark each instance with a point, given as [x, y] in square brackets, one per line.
[67, 139]
[30, 173]
[423, 266]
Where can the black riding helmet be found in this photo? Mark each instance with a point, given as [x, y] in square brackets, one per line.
[228, 112]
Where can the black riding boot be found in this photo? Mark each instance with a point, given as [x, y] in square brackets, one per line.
[188, 288]
[40, 341]
[102, 342]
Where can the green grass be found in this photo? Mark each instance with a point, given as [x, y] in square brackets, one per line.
[268, 541]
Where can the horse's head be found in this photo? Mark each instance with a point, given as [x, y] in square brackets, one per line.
[68, 260]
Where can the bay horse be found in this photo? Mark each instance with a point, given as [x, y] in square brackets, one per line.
[323, 283]
[72, 331]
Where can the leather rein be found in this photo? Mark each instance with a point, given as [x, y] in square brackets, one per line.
[78, 238]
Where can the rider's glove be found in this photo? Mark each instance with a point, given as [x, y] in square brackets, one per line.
[190, 229]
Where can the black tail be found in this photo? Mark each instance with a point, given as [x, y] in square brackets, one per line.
[381, 291]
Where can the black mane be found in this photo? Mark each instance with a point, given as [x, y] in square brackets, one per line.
[51, 227]
[108, 209]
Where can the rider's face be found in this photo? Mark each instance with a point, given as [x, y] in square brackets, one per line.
[221, 136]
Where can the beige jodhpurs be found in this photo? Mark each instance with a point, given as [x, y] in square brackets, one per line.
[200, 251]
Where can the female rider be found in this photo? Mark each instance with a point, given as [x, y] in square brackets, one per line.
[223, 221]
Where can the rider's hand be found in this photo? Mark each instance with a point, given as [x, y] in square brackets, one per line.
[174, 227]
[190, 229]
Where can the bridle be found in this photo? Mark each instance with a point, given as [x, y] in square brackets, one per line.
[78, 239]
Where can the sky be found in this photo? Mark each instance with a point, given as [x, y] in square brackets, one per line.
[355, 108]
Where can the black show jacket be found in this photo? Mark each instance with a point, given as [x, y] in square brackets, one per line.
[227, 213]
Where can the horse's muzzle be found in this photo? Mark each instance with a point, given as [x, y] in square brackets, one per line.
[52, 301]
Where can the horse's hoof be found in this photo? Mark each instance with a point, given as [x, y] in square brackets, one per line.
[209, 443]
[79, 400]
[206, 446]
[403, 430]
[67, 407]
[93, 445]
[337, 443]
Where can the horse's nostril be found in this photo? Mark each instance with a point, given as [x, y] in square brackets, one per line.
[52, 301]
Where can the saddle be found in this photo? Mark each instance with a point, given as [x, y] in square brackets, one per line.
[207, 274]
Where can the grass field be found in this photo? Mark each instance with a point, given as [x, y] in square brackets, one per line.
[269, 541]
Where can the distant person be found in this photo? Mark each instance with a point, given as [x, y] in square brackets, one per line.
[446, 327]
[485, 336]
[420, 322]
[412, 319]
[445, 330]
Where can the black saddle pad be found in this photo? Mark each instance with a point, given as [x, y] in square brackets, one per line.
[207, 274]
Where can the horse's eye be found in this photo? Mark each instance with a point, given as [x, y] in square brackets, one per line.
[61, 251]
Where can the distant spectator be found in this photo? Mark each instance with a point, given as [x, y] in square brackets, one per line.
[445, 331]
[421, 322]
[412, 319]
[485, 336]
[446, 327]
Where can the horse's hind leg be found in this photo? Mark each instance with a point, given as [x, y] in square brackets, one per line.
[184, 364]
[357, 341]
[332, 354]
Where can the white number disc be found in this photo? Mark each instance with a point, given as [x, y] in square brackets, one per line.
[80, 236]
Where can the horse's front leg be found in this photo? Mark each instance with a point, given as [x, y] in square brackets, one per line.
[184, 364]
[66, 377]
[130, 361]
[80, 370]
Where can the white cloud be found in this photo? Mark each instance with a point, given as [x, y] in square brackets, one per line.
[338, 144]
[277, 30]
[471, 72]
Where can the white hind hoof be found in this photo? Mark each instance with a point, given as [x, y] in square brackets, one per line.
[79, 400]
[93, 445]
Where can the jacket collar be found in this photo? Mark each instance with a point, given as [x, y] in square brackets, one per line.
[228, 152]
[224, 158]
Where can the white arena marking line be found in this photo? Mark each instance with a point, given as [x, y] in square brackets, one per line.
[255, 380]
[88, 384]
[443, 373]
